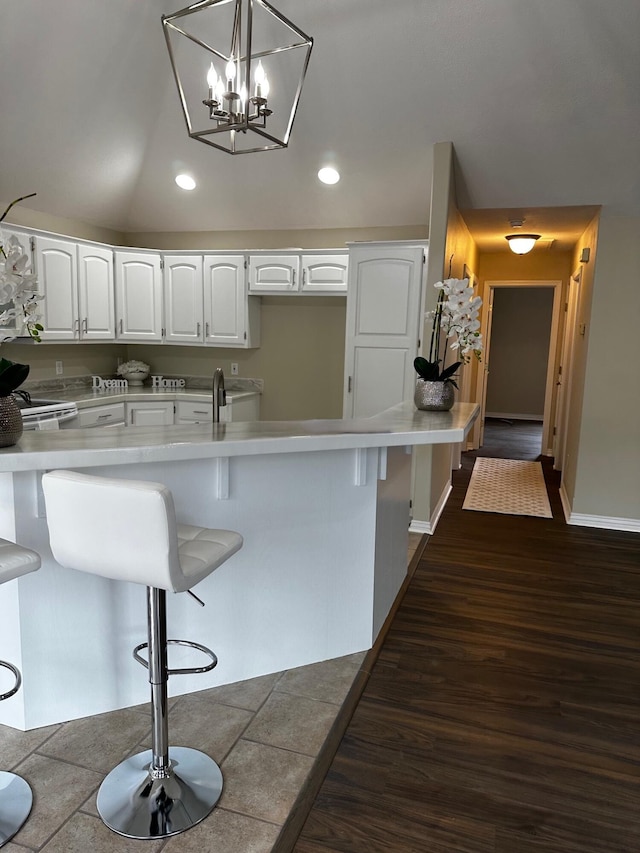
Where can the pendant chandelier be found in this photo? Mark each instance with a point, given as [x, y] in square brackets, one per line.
[239, 66]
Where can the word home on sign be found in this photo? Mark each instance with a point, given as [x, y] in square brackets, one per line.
[160, 382]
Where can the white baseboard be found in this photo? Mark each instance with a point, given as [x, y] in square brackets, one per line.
[509, 416]
[603, 522]
[429, 527]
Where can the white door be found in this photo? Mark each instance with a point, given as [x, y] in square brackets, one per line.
[383, 318]
[183, 299]
[56, 264]
[225, 300]
[138, 296]
[96, 294]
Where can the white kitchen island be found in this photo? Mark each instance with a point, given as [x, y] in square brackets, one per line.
[323, 507]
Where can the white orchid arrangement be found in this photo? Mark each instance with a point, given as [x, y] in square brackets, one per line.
[455, 317]
[19, 298]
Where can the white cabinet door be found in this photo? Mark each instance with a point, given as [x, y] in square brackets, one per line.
[325, 273]
[56, 265]
[225, 300]
[96, 297]
[183, 305]
[231, 318]
[383, 320]
[274, 273]
[138, 296]
[149, 414]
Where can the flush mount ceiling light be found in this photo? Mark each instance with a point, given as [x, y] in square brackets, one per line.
[328, 175]
[185, 182]
[521, 243]
[239, 66]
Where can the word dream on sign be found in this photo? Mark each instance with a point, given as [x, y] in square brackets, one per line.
[157, 383]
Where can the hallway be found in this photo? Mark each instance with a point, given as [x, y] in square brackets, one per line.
[502, 713]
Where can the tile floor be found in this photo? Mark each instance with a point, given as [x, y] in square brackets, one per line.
[273, 736]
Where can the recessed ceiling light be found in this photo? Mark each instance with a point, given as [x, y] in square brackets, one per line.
[329, 175]
[185, 182]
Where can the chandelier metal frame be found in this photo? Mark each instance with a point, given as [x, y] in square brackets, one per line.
[231, 113]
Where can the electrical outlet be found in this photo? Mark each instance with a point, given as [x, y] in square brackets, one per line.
[234, 368]
[59, 368]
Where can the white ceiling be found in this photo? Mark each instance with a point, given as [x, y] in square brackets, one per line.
[541, 100]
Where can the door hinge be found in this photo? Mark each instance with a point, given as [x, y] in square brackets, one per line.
[410, 504]
[349, 386]
[245, 263]
[245, 336]
[32, 243]
[566, 306]
[161, 263]
[560, 370]
[555, 430]
[419, 342]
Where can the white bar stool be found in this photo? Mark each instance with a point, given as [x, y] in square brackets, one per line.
[16, 798]
[165, 790]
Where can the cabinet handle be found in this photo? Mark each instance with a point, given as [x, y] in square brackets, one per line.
[294, 278]
[85, 325]
[206, 330]
[197, 330]
[120, 325]
[349, 386]
[304, 278]
[103, 417]
[200, 412]
[76, 328]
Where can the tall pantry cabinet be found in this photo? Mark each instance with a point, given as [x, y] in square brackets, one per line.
[385, 303]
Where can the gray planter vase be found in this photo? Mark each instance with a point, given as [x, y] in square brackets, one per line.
[10, 421]
[433, 396]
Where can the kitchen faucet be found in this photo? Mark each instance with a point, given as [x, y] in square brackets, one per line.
[219, 394]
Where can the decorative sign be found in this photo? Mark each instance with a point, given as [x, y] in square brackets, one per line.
[159, 383]
[100, 384]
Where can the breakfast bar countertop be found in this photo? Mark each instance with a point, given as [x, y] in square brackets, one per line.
[401, 425]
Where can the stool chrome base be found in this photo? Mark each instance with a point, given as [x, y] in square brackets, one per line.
[16, 800]
[134, 804]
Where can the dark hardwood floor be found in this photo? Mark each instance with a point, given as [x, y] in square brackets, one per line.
[503, 712]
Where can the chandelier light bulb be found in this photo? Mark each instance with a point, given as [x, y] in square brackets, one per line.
[243, 96]
[259, 75]
[265, 87]
[212, 77]
[230, 70]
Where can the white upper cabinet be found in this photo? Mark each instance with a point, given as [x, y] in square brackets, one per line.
[138, 296]
[384, 307]
[325, 273]
[231, 318]
[274, 273]
[183, 302]
[77, 282]
[321, 272]
[96, 299]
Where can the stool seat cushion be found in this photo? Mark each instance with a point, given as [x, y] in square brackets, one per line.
[16, 561]
[127, 530]
[203, 549]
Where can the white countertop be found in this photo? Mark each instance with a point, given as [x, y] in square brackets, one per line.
[85, 398]
[77, 448]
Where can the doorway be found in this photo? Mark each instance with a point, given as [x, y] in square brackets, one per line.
[516, 381]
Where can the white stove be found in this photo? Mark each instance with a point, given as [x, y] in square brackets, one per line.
[45, 414]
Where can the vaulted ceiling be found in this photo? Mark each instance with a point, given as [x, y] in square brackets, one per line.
[540, 99]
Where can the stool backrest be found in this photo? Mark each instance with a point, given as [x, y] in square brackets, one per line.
[119, 529]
